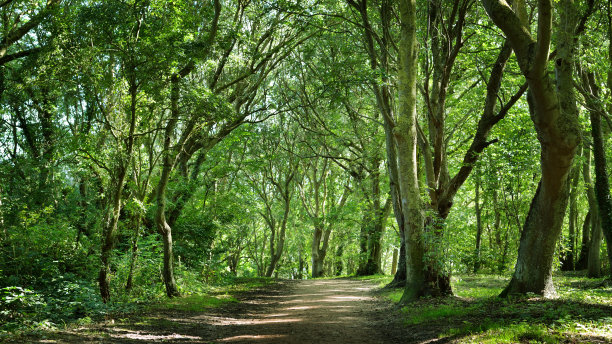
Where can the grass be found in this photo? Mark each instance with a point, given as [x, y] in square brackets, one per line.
[382, 280]
[194, 303]
[581, 314]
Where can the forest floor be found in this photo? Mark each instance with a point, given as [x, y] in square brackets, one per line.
[349, 310]
[308, 311]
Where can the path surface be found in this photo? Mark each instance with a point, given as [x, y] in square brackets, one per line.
[311, 311]
[315, 311]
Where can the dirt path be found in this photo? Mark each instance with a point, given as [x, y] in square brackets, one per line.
[311, 311]
[316, 311]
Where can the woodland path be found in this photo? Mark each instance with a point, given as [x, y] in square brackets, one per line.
[307, 311]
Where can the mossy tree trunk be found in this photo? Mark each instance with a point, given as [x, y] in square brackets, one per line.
[115, 191]
[557, 127]
[405, 133]
[602, 185]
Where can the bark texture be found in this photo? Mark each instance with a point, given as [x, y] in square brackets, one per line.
[405, 136]
[558, 134]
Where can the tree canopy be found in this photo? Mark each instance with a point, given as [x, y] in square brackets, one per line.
[151, 147]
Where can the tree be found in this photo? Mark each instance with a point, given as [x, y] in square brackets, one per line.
[323, 195]
[15, 30]
[274, 184]
[602, 186]
[558, 133]
[405, 134]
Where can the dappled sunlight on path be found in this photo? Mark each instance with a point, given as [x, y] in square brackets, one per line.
[317, 311]
[311, 311]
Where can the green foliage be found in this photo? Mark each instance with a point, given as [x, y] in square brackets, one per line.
[194, 236]
[146, 283]
[194, 303]
[280, 86]
[62, 300]
[477, 315]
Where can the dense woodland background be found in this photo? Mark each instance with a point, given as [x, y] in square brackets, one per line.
[151, 148]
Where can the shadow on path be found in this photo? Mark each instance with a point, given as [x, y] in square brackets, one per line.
[310, 311]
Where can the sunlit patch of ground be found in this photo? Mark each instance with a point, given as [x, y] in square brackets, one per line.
[253, 337]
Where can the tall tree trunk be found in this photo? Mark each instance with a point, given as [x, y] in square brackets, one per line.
[317, 256]
[405, 135]
[115, 190]
[394, 262]
[168, 160]
[384, 99]
[280, 244]
[300, 274]
[320, 243]
[593, 263]
[581, 264]
[338, 265]
[567, 260]
[556, 123]
[602, 185]
[399, 277]
[478, 224]
[371, 245]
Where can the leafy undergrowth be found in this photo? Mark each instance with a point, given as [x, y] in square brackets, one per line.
[581, 314]
[70, 304]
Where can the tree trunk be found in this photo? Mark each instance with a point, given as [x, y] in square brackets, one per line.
[317, 254]
[168, 272]
[280, 244]
[405, 135]
[581, 264]
[168, 160]
[380, 61]
[594, 263]
[394, 262]
[109, 230]
[317, 265]
[300, 274]
[339, 265]
[557, 126]
[478, 224]
[602, 185]
[567, 259]
[371, 244]
[115, 190]
[399, 279]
